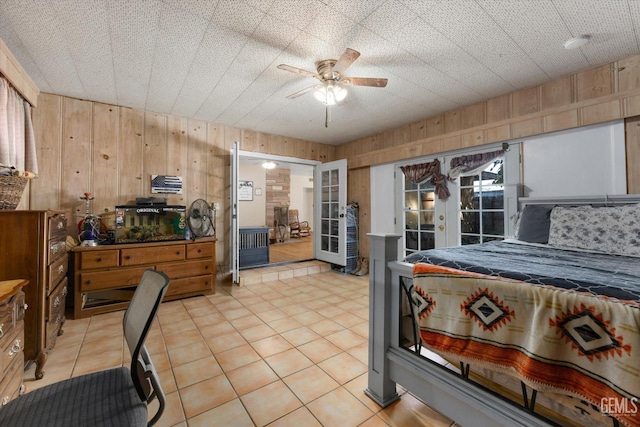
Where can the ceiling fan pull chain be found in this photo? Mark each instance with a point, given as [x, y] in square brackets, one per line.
[327, 116]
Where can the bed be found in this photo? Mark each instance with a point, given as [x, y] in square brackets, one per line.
[550, 320]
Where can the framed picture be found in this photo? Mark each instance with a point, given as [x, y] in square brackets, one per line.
[245, 190]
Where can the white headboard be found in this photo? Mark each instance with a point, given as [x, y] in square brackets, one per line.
[602, 200]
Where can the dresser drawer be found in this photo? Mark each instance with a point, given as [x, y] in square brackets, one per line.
[186, 269]
[56, 272]
[57, 225]
[98, 259]
[12, 381]
[200, 250]
[190, 284]
[101, 280]
[7, 314]
[11, 346]
[57, 248]
[56, 301]
[55, 313]
[152, 255]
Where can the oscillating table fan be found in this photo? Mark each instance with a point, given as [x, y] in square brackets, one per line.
[200, 219]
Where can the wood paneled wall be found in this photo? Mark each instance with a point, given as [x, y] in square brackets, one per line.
[602, 94]
[112, 151]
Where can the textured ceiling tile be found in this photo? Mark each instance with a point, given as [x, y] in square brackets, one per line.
[238, 16]
[609, 24]
[201, 8]
[297, 13]
[390, 17]
[85, 28]
[330, 25]
[31, 21]
[356, 10]
[216, 59]
[541, 39]
[470, 28]
[173, 55]
[133, 29]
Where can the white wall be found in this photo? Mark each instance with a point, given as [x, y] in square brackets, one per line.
[252, 213]
[382, 199]
[588, 161]
[301, 197]
[578, 162]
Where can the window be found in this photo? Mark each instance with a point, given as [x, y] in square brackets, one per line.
[419, 216]
[482, 210]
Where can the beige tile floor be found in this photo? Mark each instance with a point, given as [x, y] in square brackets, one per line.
[290, 352]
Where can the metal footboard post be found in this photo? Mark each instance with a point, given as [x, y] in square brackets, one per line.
[383, 249]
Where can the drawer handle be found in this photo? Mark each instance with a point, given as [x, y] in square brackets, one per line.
[54, 249]
[15, 349]
[5, 400]
[59, 319]
[60, 226]
[64, 291]
[56, 302]
[26, 306]
[88, 282]
[199, 251]
[127, 257]
[99, 260]
[178, 252]
[61, 269]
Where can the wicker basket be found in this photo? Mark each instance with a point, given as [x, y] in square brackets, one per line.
[11, 189]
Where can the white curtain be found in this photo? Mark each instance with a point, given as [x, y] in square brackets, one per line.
[17, 141]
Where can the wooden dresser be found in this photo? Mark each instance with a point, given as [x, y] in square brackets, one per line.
[104, 277]
[33, 247]
[12, 308]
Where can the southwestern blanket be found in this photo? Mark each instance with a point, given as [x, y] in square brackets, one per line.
[553, 338]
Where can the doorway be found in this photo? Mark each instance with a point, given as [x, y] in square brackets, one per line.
[277, 192]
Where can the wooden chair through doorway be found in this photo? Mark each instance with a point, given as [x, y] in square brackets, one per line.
[298, 228]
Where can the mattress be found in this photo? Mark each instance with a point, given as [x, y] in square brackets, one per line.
[561, 321]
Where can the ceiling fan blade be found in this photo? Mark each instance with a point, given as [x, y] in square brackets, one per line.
[302, 91]
[348, 57]
[364, 81]
[297, 70]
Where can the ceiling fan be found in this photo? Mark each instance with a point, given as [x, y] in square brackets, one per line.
[330, 72]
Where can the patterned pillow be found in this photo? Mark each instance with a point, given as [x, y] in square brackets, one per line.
[614, 230]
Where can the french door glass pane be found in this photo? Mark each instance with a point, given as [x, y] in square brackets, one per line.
[419, 217]
[330, 211]
[482, 205]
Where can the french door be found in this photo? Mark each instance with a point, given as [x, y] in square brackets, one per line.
[478, 209]
[330, 223]
[234, 238]
[422, 217]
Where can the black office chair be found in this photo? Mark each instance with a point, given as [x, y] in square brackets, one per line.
[114, 397]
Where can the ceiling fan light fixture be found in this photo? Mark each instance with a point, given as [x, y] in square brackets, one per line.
[269, 164]
[330, 93]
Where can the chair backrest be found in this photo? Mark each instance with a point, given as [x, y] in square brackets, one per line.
[293, 215]
[137, 322]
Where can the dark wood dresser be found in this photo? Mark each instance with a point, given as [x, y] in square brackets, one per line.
[33, 247]
[12, 308]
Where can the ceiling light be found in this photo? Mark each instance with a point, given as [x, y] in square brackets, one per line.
[330, 93]
[269, 164]
[576, 42]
